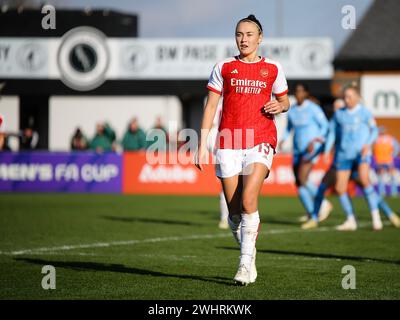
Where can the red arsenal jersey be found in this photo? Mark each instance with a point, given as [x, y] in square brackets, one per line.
[246, 87]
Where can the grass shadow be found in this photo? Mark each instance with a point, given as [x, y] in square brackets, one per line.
[321, 255]
[152, 220]
[281, 222]
[96, 266]
[212, 213]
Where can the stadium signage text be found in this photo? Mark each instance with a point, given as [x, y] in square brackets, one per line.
[382, 95]
[60, 172]
[84, 58]
[4, 50]
[26, 172]
[165, 174]
[131, 173]
[387, 100]
[66, 172]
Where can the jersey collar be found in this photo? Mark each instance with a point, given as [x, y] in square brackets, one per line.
[355, 109]
[305, 102]
[259, 60]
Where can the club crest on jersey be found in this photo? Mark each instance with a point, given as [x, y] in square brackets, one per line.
[264, 73]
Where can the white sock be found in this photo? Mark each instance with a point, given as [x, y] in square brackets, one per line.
[375, 215]
[249, 232]
[223, 207]
[234, 224]
[352, 219]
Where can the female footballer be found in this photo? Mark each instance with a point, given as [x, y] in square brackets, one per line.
[310, 126]
[355, 130]
[247, 136]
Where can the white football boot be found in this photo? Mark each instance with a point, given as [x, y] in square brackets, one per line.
[348, 225]
[303, 218]
[377, 224]
[223, 224]
[376, 220]
[242, 276]
[395, 220]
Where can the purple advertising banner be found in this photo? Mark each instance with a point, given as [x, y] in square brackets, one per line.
[61, 172]
[387, 178]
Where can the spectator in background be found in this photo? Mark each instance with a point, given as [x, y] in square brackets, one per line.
[79, 141]
[385, 149]
[310, 127]
[134, 138]
[28, 139]
[155, 135]
[101, 141]
[110, 133]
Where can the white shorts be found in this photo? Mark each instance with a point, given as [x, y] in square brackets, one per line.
[231, 162]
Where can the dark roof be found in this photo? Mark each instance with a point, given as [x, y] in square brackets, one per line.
[375, 43]
[28, 23]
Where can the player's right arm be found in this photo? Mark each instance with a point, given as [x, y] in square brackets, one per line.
[206, 125]
[215, 86]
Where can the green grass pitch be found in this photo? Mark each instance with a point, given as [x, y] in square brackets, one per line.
[169, 247]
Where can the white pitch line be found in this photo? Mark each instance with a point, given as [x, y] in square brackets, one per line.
[151, 240]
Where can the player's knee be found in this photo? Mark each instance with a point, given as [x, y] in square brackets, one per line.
[364, 183]
[302, 182]
[232, 216]
[249, 202]
[340, 189]
[364, 180]
[234, 209]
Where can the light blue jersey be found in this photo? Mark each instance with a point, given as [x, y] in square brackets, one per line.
[308, 122]
[351, 129]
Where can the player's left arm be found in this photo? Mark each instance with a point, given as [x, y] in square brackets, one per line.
[323, 124]
[280, 105]
[280, 90]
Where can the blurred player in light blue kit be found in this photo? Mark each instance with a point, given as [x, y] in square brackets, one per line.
[329, 180]
[310, 127]
[354, 130]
